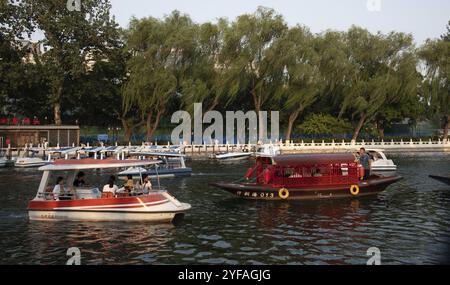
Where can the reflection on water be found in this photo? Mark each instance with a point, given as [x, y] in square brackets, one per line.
[408, 223]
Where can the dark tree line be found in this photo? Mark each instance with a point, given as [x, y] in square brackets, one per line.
[98, 74]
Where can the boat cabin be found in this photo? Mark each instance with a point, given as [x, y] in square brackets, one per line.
[68, 169]
[305, 170]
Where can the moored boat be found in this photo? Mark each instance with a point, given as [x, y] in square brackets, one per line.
[3, 162]
[170, 164]
[229, 156]
[29, 159]
[442, 179]
[380, 162]
[89, 203]
[307, 176]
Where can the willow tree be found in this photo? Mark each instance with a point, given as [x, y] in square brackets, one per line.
[247, 47]
[298, 61]
[376, 77]
[162, 54]
[436, 86]
[206, 83]
[72, 38]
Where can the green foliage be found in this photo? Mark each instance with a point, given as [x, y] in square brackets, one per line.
[323, 124]
[139, 75]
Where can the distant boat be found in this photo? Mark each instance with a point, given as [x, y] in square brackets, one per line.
[3, 162]
[442, 179]
[170, 164]
[268, 150]
[231, 155]
[30, 160]
[380, 162]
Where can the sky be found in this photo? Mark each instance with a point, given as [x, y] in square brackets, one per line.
[424, 19]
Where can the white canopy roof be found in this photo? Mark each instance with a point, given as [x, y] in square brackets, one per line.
[83, 164]
[156, 153]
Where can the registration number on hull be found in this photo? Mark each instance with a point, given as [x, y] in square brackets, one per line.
[249, 194]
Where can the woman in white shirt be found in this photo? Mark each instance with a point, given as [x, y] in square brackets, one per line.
[111, 187]
[146, 185]
[59, 188]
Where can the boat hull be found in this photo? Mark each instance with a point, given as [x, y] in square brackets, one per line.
[266, 192]
[29, 165]
[442, 179]
[384, 168]
[68, 215]
[231, 156]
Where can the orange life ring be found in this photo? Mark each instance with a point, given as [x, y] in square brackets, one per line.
[283, 193]
[354, 190]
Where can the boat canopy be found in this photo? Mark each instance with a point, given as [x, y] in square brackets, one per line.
[156, 153]
[89, 163]
[64, 150]
[300, 159]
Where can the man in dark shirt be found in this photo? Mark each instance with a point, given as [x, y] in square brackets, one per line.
[365, 161]
[79, 180]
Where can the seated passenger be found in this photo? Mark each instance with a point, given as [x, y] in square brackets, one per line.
[58, 190]
[79, 180]
[129, 184]
[111, 187]
[147, 184]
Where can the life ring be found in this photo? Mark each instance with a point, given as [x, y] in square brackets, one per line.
[283, 193]
[354, 190]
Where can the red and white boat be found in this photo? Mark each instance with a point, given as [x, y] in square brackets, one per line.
[89, 203]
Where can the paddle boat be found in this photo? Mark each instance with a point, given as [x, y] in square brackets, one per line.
[89, 203]
[169, 164]
[442, 179]
[307, 176]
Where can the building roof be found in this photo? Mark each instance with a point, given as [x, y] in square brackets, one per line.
[39, 127]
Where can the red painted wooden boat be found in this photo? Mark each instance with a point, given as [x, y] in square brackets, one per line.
[307, 176]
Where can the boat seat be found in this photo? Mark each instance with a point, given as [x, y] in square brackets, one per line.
[106, 195]
[122, 195]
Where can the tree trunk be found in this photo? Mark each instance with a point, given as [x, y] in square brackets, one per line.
[361, 122]
[292, 118]
[57, 105]
[257, 102]
[57, 113]
[380, 129]
[127, 130]
[148, 127]
[446, 128]
[151, 128]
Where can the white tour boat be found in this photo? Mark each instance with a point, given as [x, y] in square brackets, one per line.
[380, 162]
[89, 203]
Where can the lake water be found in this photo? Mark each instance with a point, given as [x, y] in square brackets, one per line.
[409, 223]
